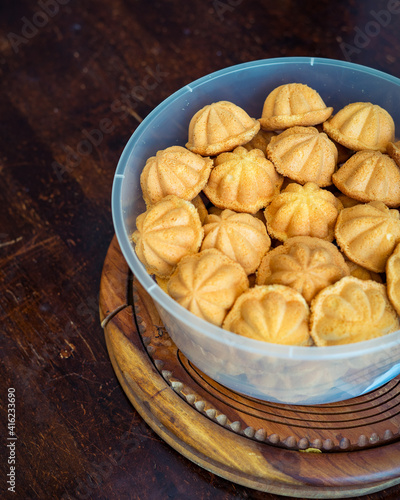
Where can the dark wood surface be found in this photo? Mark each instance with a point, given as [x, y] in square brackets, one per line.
[234, 436]
[75, 83]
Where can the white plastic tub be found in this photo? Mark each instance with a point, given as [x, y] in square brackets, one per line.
[296, 375]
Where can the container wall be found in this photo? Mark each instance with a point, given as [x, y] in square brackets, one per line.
[247, 85]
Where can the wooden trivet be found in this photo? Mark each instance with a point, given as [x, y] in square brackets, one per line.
[335, 450]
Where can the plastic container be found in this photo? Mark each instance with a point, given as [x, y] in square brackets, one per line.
[294, 375]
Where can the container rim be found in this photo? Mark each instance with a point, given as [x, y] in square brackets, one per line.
[185, 317]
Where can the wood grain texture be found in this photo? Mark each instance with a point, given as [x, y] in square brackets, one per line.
[178, 408]
[72, 91]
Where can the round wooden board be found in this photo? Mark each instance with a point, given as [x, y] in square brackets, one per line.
[338, 450]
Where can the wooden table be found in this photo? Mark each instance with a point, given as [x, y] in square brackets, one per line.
[76, 79]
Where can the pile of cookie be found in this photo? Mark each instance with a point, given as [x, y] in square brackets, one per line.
[283, 228]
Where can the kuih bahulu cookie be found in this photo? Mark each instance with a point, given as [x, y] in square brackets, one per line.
[305, 264]
[207, 284]
[174, 170]
[361, 125]
[276, 314]
[240, 236]
[351, 310]
[370, 176]
[165, 233]
[242, 181]
[303, 211]
[304, 155]
[218, 127]
[293, 104]
[368, 233]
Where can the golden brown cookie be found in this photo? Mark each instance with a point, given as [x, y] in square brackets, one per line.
[351, 310]
[306, 264]
[219, 127]
[304, 155]
[276, 314]
[293, 104]
[166, 232]
[174, 170]
[303, 211]
[243, 181]
[393, 278]
[367, 234]
[207, 284]
[370, 176]
[240, 236]
[393, 150]
[361, 125]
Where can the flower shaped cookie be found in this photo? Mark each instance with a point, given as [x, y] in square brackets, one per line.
[351, 310]
[243, 181]
[303, 211]
[275, 314]
[165, 233]
[361, 125]
[207, 284]
[219, 127]
[174, 170]
[293, 104]
[304, 155]
[368, 233]
[370, 176]
[240, 236]
[306, 264]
